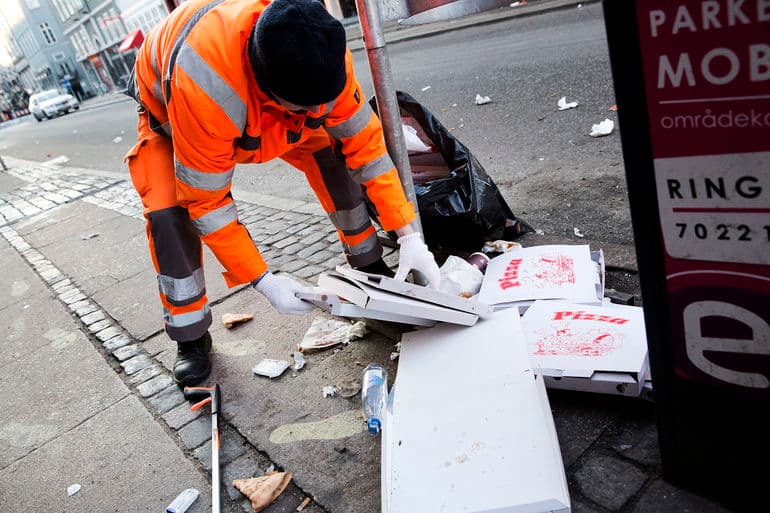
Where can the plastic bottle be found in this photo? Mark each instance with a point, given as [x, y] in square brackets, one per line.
[374, 395]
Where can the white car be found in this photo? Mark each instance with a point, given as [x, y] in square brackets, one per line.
[50, 103]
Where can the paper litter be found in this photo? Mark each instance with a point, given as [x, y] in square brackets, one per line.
[329, 391]
[563, 105]
[460, 278]
[413, 141]
[73, 489]
[482, 100]
[299, 360]
[603, 128]
[270, 367]
[117, 139]
[326, 333]
[577, 232]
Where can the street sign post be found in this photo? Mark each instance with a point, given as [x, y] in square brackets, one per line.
[692, 81]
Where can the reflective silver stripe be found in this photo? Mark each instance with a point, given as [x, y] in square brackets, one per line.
[368, 244]
[185, 319]
[216, 219]
[213, 85]
[156, 87]
[195, 18]
[372, 170]
[351, 222]
[353, 125]
[182, 289]
[202, 180]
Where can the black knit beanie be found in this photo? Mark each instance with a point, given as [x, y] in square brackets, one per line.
[297, 51]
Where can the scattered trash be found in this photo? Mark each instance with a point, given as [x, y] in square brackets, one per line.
[183, 501]
[271, 368]
[563, 105]
[270, 469]
[61, 159]
[539, 232]
[231, 319]
[374, 396]
[299, 360]
[326, 333]
[603, 128]
[394, 356]
[426, 88]
[479, 261]
[303, 504]
[460, 278]
[349, 388]
[482, 100]
[500, 246]
[87, 236]
[614, 107]
[541, 159]
[521, 3]
[580, 6]
[329, 391]
[578, 233]
[413, 141]
[117, 139]
[73, 489]
[262, 491]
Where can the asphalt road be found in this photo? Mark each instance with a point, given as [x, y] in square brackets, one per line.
[550, 171]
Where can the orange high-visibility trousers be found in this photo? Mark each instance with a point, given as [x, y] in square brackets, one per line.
[175, 246]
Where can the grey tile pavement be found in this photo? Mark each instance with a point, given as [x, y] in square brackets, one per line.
[608, 443]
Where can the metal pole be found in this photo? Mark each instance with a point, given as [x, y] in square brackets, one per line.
[385, 93]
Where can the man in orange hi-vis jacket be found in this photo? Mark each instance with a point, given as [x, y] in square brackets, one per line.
[243, 81]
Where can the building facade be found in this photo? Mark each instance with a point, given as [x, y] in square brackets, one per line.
[95, 30]
[40, 55]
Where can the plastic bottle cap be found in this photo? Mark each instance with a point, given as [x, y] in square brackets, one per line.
[374, 426]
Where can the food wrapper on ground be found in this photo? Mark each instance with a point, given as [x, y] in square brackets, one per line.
[326, 333]
[500, 246]
[460, 278]
[231, 319]
[603, 128]
[262, 491]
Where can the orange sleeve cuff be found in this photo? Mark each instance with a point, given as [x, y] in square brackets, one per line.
[394, 219]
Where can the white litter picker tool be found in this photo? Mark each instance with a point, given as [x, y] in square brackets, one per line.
[210, 395]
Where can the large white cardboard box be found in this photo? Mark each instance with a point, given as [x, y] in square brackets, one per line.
[541, 272]
[336, 306]
[587, 348]
[468, 427]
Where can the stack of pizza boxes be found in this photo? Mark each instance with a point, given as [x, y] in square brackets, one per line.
[576, 338]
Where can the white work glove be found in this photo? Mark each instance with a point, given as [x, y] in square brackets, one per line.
[281, 291]
[414, 255]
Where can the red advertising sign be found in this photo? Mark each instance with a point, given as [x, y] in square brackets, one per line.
[706, 66]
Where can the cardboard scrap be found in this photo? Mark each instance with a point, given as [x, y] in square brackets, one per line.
[231, 319]
[262, 491]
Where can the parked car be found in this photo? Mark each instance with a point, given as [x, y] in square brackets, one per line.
[50, 103]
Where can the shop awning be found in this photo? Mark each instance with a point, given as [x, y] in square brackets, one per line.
[133, 40]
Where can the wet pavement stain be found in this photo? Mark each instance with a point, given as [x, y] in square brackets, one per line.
[342, 425]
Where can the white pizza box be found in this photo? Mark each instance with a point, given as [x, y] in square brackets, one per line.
[368, 297]
[463, 434]
[564, 272]
[588, 348]
[336, 306]
[412, 290]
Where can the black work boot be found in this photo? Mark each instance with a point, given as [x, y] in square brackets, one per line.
[377, 267]
[192, 361]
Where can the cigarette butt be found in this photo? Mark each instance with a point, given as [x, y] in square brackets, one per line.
[303, 504]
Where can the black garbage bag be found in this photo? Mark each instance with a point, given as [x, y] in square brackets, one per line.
[459, 204]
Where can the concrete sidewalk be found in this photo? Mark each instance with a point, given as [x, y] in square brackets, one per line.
[89, 393]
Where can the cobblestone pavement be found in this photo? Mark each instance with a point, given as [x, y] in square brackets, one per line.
[609, 444]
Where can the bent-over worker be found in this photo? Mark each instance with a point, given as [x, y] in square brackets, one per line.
[244, 81]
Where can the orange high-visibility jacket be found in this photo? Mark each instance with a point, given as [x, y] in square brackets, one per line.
[194, 77]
